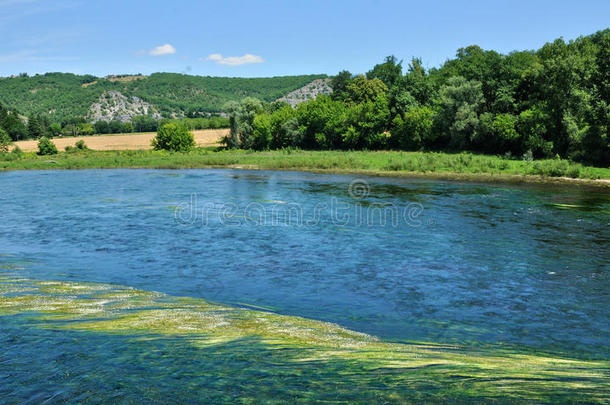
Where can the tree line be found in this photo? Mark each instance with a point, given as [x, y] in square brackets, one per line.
[553, 102]
[36, 126]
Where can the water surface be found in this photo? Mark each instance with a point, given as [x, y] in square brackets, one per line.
[470, 263]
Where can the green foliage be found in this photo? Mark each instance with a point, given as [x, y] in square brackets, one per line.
[261, 137]
[13, 125]
[284, 128]
[5, 141]
[46, 147]
[497, 134]
[86, 129]
[553, 101]
[322, 123]
[101, 127]
[443, 165]
[360, 89]
[532, 128]
[339, 85]
[34, 127]
[460, 103]
[81, 145]
[241, 121]
[126, 127]
[173, 137]
[55, 129]
[415, 129]
[115, 126]
[17, 153]
[389, 72]
[69, 95]
[143, 123]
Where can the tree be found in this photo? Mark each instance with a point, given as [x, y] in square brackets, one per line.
[415, 129]
[101, 127]
[34, 127]
[46, 147]
[115, 126]
[497, 134]
[339, 85]
[144, 123]
[389, 72]
[15, 126]
[413, 89]
[173, 137]
[282, 133]
[367, 124]
[127, 127]
[5, 141]
[322, 123]
[361, 89]
[86, 129]
[71, 130]
[241, 118]
[460, 104]
[261, 137]
[55, 129]
[531, 126]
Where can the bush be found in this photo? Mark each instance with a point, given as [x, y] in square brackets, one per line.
[81, 145]
[46, 147]
[173, 137]
[5, 141]
[17, 152]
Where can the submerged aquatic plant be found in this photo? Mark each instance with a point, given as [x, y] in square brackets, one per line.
[298, 358]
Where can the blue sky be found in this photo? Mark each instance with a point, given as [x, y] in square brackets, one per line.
[270, 38]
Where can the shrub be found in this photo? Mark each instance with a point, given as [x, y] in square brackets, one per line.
[173, 137]
[81, 145]
[46, 147]
[17, 152]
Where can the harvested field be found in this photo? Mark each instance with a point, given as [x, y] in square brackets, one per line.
[204, 137]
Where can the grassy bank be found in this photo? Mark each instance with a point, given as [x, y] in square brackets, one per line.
[463, 166]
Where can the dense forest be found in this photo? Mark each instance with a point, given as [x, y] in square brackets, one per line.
[65, 96]
[553, 102]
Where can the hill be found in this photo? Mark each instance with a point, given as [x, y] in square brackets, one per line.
[64, 95]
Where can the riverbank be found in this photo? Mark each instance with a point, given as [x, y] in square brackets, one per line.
[442, 166]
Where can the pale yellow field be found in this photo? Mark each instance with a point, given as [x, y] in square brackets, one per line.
[203, 137]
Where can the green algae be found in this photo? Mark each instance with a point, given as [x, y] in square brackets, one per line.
[383, 371]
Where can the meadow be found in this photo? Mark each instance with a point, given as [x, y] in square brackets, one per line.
[459, 166]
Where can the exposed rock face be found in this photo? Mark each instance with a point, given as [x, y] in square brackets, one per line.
[114, 105]
[308, 92]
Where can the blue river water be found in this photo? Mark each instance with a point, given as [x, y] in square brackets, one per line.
[402, 259]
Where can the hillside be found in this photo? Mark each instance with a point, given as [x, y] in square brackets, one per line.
[308, 92]
[63, 95]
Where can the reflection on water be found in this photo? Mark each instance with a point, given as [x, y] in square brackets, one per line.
[495, 264]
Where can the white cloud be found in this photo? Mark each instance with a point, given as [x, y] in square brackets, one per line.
[166, 49]
[235, 60]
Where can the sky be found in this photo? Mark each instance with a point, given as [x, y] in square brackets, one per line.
[272, 38]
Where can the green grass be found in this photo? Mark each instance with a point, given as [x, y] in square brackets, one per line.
[465, 166]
